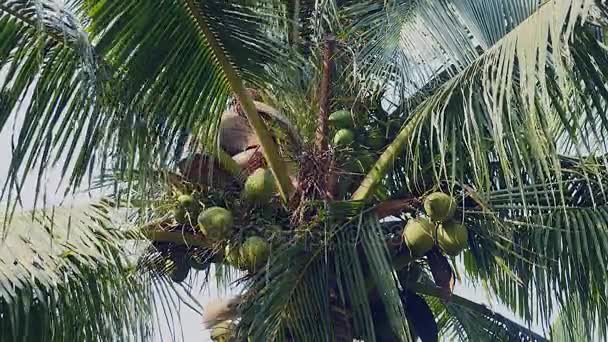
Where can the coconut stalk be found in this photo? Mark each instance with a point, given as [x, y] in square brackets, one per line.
[269, 148]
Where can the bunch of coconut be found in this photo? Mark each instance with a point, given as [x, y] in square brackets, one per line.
[358, 144]
[217, 224]
[437, 227]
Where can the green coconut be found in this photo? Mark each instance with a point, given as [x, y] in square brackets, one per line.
[273, 230]
[254, 252]
[341, 119]
[186, 201]
[452, 237]
[216, 223]
[344, 137]
[375, 140]
[440, 207]
[223, 332]
[260, 186]
[180, 215]
[418, 236]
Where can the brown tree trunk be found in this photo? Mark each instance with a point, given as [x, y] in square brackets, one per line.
[324, 96]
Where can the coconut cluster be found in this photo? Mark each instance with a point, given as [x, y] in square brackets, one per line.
[421, 234]
[358, 143]
[238, 223]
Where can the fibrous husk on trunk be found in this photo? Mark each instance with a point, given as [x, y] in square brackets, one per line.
[235, 133]
[199, 168]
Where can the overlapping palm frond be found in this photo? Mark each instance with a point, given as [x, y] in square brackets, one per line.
[68, 279]
[409, 46]
[111, 84]
[463, 320]
[537, 253]
[513, 106]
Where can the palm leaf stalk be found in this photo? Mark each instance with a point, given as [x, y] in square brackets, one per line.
[269, 148]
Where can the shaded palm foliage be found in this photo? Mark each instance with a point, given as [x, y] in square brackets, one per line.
[500, 103]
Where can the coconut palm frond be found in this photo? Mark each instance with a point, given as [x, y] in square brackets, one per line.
[288, 300]
[570, 325]
[522, 121]
[410, 46]
[465, 320]
[379, 261]
[540, 253]
[68, 279]
[114, 85]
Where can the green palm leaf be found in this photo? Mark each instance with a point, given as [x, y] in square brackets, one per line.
[506, 109]
[89, 89]
[67, 279]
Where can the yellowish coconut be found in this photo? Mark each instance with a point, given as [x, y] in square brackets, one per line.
[260, 186]
[254, 252]
[216, 223]
[223, 332]
[180, 215]
[440, 207]
[418, 236]
[186, 201]
[452, 238]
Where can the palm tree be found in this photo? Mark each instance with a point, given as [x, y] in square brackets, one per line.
[468, 142]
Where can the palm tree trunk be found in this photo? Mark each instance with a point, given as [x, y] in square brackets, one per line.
[294, 28]
[324, 96]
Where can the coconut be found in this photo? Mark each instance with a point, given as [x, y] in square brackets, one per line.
[341, 119]
[418, 236]
[254, 252]
[439, 207]
[375, 139]
[344, 137]
[223, 332]
[186, 201]
[452, 237]
[180, 215]
[260, 186]
[216, 223]
[273, 230]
